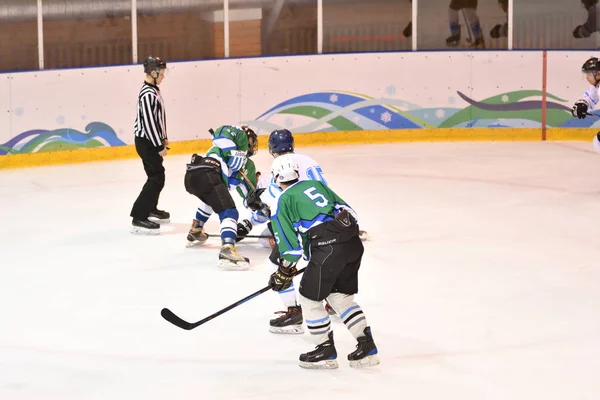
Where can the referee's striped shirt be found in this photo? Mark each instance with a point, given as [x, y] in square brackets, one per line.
[151, 119]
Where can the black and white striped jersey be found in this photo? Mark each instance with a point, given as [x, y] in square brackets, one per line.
[151, 119]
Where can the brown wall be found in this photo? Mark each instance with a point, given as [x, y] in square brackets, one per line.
[92, 42]
[244, 39]
[18, 46]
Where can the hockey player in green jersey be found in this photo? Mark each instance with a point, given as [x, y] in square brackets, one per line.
[226, 166]
[311, 220]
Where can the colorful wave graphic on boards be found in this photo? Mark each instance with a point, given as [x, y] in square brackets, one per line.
[97, 134]
[346, 111]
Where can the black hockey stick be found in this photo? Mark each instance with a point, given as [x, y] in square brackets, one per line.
[214, 235]
[175, 320]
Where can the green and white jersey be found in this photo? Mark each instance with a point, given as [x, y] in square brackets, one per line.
[230, 148]
[300, 207]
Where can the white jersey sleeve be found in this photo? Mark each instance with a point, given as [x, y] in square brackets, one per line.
[264, 181]
[591, 97]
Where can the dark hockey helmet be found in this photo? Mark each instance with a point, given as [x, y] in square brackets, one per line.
[154, 64]
[281, 141]
[252, 140]
[591, 65]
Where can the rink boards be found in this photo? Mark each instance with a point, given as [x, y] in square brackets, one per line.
[79, 115]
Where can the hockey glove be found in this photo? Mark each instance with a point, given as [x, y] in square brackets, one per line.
[243, 228]
[254, 202]
[580, 109]
[237, 160]
[283, 277]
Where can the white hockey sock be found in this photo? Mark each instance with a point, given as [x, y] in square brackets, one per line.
[203, 213]
[316, 318]
[350, 313]
[288, 296]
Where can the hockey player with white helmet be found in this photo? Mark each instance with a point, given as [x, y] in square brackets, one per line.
[311, 220]
[591, 97]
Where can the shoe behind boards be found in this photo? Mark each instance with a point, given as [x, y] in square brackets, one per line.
[144, 227]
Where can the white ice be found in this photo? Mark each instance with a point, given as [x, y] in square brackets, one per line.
[481, 280]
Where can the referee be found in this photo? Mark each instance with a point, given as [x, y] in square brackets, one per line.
[151, 144]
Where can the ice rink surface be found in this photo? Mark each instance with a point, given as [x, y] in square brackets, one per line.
[481, 280]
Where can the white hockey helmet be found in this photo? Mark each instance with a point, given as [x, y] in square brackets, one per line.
[284, 169]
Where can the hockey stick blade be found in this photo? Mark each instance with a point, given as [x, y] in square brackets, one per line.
[175, 320]
[179, 322]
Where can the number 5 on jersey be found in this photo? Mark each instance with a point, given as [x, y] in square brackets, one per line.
[312, 194]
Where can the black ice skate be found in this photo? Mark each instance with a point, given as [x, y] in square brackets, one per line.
[289, 323]
[454, 40]
[365, 354]
[160, 216]
[323, 356]
[145, 227]
[196, 235]
[230, 259]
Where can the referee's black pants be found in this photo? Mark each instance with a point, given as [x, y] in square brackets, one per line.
[147, 201]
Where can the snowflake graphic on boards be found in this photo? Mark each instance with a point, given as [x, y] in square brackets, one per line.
[333, 98]
[504, 98]
[440, 113]
[386, 117]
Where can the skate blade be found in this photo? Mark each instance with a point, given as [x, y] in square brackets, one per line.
[363, 235]
[368, 361]
[143, 231]
[325, 364]
[228, 265]
[287, 330]
[159, 221]
[195, 243]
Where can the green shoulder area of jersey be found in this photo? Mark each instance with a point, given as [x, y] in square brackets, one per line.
[221, 148]
[233, 133]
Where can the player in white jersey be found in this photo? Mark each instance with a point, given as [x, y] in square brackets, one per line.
[591, 97]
